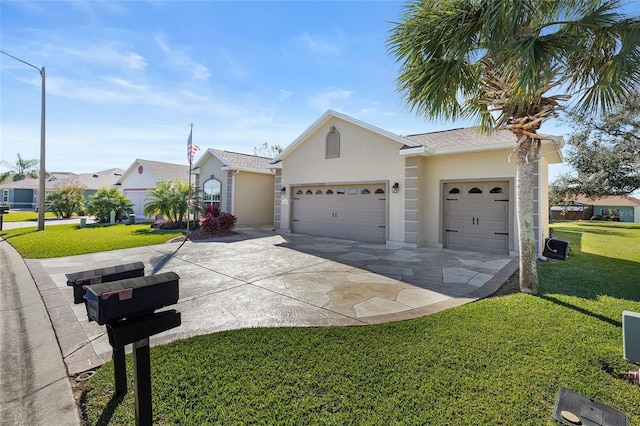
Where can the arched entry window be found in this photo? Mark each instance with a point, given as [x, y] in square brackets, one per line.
[211, 193]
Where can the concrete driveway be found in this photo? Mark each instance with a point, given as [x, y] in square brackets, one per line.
[264, 279]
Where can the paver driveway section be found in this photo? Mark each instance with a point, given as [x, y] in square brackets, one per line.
[264, 279]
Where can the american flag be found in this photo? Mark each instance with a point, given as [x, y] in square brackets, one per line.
[191, 148]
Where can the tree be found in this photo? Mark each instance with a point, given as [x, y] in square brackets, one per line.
[169, 199]
[267, 151]
[103, 202]
[604, 152]
[511, 64]
[21, 170]
[66, 201]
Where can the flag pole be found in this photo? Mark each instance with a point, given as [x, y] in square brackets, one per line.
[190, 155]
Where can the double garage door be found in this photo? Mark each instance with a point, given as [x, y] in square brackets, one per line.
[477, 216]
[356, 211]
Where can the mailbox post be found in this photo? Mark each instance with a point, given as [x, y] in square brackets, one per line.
[127, 308]
[3, 210]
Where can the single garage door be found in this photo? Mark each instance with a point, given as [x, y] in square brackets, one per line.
[354, 212]
[477, 216]
[137, 198]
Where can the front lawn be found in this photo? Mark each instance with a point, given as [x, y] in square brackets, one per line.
[23, 216]
[69, 240]
[496, 361]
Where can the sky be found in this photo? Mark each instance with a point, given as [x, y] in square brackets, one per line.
[124, 79]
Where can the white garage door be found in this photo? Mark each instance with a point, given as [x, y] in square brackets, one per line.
[138, 198]
[354, 212]
[477, 216]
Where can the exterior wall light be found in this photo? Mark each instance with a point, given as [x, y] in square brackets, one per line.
[395, 187]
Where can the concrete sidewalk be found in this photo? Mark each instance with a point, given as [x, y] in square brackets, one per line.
[35, 385]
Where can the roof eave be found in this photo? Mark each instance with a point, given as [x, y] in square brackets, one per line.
[247, 169]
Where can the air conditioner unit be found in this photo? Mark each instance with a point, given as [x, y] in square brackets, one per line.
[631, 335]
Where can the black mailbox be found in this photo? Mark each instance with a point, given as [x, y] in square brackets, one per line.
[129, 298]
[4, 209]
[102, 275]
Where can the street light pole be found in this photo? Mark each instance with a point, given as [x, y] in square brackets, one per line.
[41, 186]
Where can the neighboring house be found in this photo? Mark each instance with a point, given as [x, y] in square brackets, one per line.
[453, 189]
[572, 210]
[240, 184]
[623, 208]
[23, 194]
[142, 177]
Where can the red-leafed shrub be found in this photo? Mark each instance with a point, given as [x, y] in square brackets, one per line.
[226, 221]
[213, 221]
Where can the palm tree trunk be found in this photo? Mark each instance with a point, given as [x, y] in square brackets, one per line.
[525, 185]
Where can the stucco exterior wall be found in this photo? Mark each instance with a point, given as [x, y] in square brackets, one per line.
[136, 180]
[253, 199]
[212, 168]
[492, 165]
[365, 156]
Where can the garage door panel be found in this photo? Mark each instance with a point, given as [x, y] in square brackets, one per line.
[479, 211]
[345, 211]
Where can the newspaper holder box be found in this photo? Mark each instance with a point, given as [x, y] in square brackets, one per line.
[102, 275]
[133, 297]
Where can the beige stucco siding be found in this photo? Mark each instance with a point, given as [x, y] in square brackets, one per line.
[365, 156]
[253, 198]
[435, 171]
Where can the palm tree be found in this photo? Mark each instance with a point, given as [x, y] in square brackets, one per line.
[20, 170]
[169, 199]
[512, 64]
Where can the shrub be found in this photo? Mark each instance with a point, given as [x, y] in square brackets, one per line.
[226, 221]
[214, 221]
[106, 200]
[66, 201]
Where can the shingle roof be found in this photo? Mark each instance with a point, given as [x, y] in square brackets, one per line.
[460, 138]
[166, 171]
[91, 181]
[610, 201]
[97, 180]
[243, 161]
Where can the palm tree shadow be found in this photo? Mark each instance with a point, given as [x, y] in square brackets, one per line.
[589, 276]
[161, 261]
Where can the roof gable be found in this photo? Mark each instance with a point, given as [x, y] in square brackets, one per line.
[162, 171]
[328, 115]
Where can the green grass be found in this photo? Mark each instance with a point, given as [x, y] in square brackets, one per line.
[496, 361]
[69, 240]
[14, 216]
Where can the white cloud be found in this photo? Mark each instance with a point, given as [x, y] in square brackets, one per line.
[322, 45]
[329, 100]
[104, 54]
[284, 95]
[178, 58]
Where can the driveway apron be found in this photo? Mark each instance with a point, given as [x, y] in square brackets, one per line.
[264, 279]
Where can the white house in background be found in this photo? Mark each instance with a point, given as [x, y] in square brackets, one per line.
[240, 184]
[142, 177]
[454, 189]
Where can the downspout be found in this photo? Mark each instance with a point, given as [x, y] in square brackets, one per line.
[233, 192]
